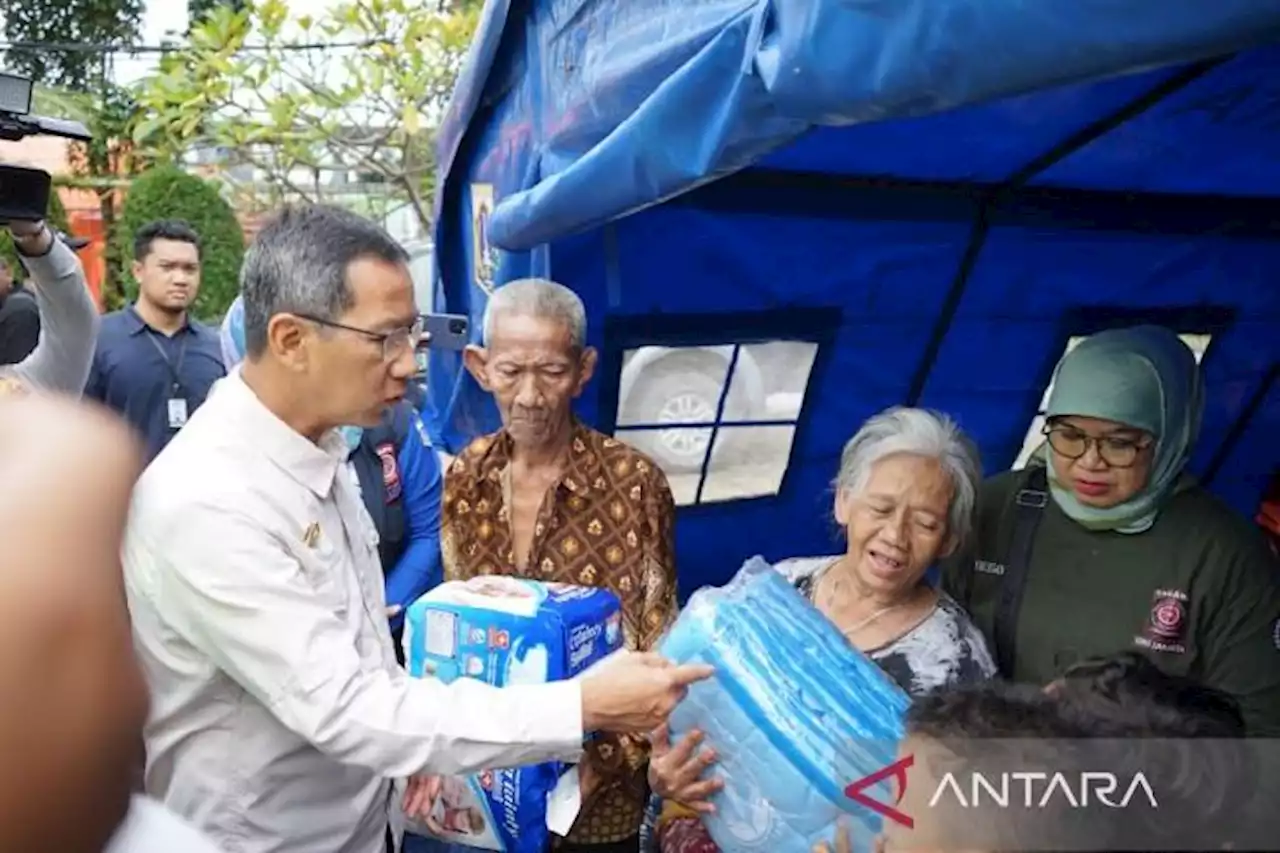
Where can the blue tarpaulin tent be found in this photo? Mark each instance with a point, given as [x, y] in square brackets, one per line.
[786, 215]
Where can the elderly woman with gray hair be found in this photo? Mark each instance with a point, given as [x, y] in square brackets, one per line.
[905, 497]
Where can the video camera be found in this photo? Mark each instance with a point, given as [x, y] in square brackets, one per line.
[24, 192]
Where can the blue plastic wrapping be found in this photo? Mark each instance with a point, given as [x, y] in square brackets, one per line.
[794, 712]
[506, 631]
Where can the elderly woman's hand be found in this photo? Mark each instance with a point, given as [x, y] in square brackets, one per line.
[843, 844]
[675, 773]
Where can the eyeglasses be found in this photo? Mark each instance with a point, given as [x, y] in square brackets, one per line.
[1116, 451]
[394, 343]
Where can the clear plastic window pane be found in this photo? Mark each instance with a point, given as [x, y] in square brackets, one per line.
[770, 379]
[748, 462]
[680, 453]
[672, 385]
[1198, 343]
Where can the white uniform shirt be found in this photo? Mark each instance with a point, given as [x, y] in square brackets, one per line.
[279, 714]
[150, 828]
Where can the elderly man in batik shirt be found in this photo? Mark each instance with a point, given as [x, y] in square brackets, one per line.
[550, 499]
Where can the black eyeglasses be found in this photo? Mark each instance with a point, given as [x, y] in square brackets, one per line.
[394, 343]
[1117, 451]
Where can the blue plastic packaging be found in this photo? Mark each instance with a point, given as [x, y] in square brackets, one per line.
[506, 631]
[794, 712]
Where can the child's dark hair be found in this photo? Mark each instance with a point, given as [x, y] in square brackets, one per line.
[1152, 700]
[1195, 733]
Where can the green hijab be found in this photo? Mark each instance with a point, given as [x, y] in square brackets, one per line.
[1143, 377]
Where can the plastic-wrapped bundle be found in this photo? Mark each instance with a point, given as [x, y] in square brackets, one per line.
[506, 631]
[794, 712]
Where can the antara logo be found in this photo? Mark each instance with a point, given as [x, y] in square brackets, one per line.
[1039, 790]
[1021, 789]
[898, 771]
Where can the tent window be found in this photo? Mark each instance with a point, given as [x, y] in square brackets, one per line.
[720, 420]
[1199, 344]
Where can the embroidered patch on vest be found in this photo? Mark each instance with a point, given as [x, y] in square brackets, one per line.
[988, 567]
[1166, 626]
[390, 471]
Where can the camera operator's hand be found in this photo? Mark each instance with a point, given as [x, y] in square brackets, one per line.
[635, 692]
[32, 238]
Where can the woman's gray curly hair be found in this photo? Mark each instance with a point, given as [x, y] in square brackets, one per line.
[919, 432]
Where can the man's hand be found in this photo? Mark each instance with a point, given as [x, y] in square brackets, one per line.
[676, 774]
[31, 238]
[420, 799]
[635, 692]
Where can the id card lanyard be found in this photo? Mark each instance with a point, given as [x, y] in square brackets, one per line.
[177, 403]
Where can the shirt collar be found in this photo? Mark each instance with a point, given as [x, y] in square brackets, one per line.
[582, 469]
[137, 325]
[314, 466]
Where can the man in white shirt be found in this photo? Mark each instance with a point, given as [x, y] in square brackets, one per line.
[150, 828]
[279, 715]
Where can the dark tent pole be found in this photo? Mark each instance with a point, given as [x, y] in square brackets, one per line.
[1239, 425]
[992, 199]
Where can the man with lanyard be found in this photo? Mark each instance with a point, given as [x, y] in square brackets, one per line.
[154, 364]
[398, 475]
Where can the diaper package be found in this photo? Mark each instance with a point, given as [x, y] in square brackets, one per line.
[794, 712]
[505, 631]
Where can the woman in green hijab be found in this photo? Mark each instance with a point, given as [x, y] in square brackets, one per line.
[1104, 542]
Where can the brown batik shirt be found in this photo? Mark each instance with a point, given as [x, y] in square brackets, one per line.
[608, 522]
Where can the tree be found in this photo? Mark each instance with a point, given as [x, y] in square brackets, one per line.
[198, 9]
[306, 103]
[68, 31]
[104, 165]
[167, 192]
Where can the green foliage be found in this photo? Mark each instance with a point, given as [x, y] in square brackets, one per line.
[303, 116]
[78, 22]
[198, 9]
[169, 193]
[56, 218]
[104, 164]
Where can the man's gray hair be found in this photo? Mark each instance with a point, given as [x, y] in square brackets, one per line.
[918, 432]
[298, 265]
[541, 299]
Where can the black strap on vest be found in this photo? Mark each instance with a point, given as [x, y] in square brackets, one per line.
[1029, 502]
[388, 515]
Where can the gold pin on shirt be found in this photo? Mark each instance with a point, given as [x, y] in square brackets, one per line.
[12, 387]
[312, 534]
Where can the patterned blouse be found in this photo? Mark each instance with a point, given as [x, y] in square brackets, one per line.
[607, 523]
[944, 649]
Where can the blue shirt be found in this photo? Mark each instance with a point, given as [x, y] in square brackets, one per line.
[402, 494]
[138, 370]
[418, 568]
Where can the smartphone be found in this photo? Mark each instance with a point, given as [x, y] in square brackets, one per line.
[446, 331]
